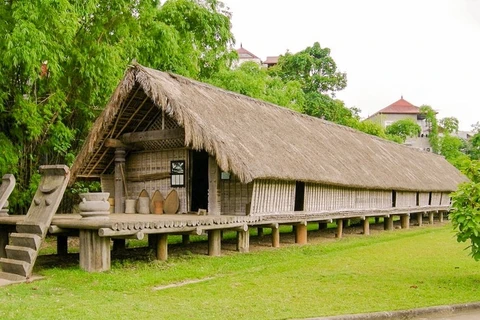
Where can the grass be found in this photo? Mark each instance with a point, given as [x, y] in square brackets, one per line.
[396, 270]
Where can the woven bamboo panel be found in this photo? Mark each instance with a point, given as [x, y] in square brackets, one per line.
[273, 196]
[436, 198]
[423, 198]
[322, 197]
[445, 199]
[406, 199]
[154, 162]
[234, 196]
[169, 123]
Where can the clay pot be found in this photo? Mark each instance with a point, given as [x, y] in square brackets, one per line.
[130, 205]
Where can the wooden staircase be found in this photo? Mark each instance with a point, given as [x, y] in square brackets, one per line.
[26, 242]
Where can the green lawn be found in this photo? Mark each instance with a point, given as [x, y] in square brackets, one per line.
[395, 270]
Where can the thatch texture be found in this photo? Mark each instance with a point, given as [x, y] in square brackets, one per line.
[258, 140]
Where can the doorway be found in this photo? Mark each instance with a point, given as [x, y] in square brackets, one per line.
[199, 180]
[299, 195]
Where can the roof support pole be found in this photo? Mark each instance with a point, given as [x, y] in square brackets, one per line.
[119, 176]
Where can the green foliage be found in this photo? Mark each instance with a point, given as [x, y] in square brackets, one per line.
[431, 117]
[474, 151]
[403, 129]
[449, 124]
[313, 67]
[62, 59]
[254, 81]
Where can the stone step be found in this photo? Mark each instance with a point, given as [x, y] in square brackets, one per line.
[12, 277]
[26, 240]
[20, 253]
[30, 227]
[17, 267]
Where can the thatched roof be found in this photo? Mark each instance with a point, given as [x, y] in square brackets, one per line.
[258, 140]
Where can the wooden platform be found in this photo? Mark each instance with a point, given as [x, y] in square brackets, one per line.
[95, 234]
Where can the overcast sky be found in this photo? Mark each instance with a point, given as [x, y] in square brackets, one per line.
[426, 50]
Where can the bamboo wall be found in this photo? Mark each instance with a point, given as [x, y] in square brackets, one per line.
[154, 162]
[423, 198]
[436, 198]
[406, 199]
[270, 196]
[445, 199]
[234, 196]
[323, 198]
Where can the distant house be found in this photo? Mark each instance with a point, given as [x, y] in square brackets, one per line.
[402, 109]
[244, 55]
[271, 61]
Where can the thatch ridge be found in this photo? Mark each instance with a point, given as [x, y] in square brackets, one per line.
[259, 140]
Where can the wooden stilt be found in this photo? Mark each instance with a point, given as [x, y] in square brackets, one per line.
[62, 245]
[388, 223]
[214, 243]
[185, 239]
[94, 251]
[339, 228]
[322, 225]
[260, 232]
[276, 237]
[430, 217]
[301, 234]
[366, 227]
[3, 241]
[243, 241]
[440, 216]
[420, 218]
[119, 244]
[405, 221]
[162, 247]
[152, 241]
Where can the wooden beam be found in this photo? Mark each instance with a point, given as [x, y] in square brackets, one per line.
[154, 135]
[115, 143]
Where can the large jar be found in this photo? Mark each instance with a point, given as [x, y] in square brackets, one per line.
[94, 205]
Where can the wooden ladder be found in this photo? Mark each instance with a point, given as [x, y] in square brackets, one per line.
[26, 242]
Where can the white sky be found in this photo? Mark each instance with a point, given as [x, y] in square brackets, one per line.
[426, 50]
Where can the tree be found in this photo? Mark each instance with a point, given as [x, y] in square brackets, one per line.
[449, 124]
[254, 81]
[431, 118]
[403, 129]
[465, 214]
[62, 59]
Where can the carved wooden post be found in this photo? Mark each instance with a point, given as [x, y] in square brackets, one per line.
[119, 244]
[301, 233]
[94, 251]
[214, 243]
[339, 233]
[243, 241]
[162, 247]
[366, 226]
[276, 237]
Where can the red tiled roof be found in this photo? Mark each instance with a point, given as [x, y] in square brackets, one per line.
[401, 106]
[241, 51]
